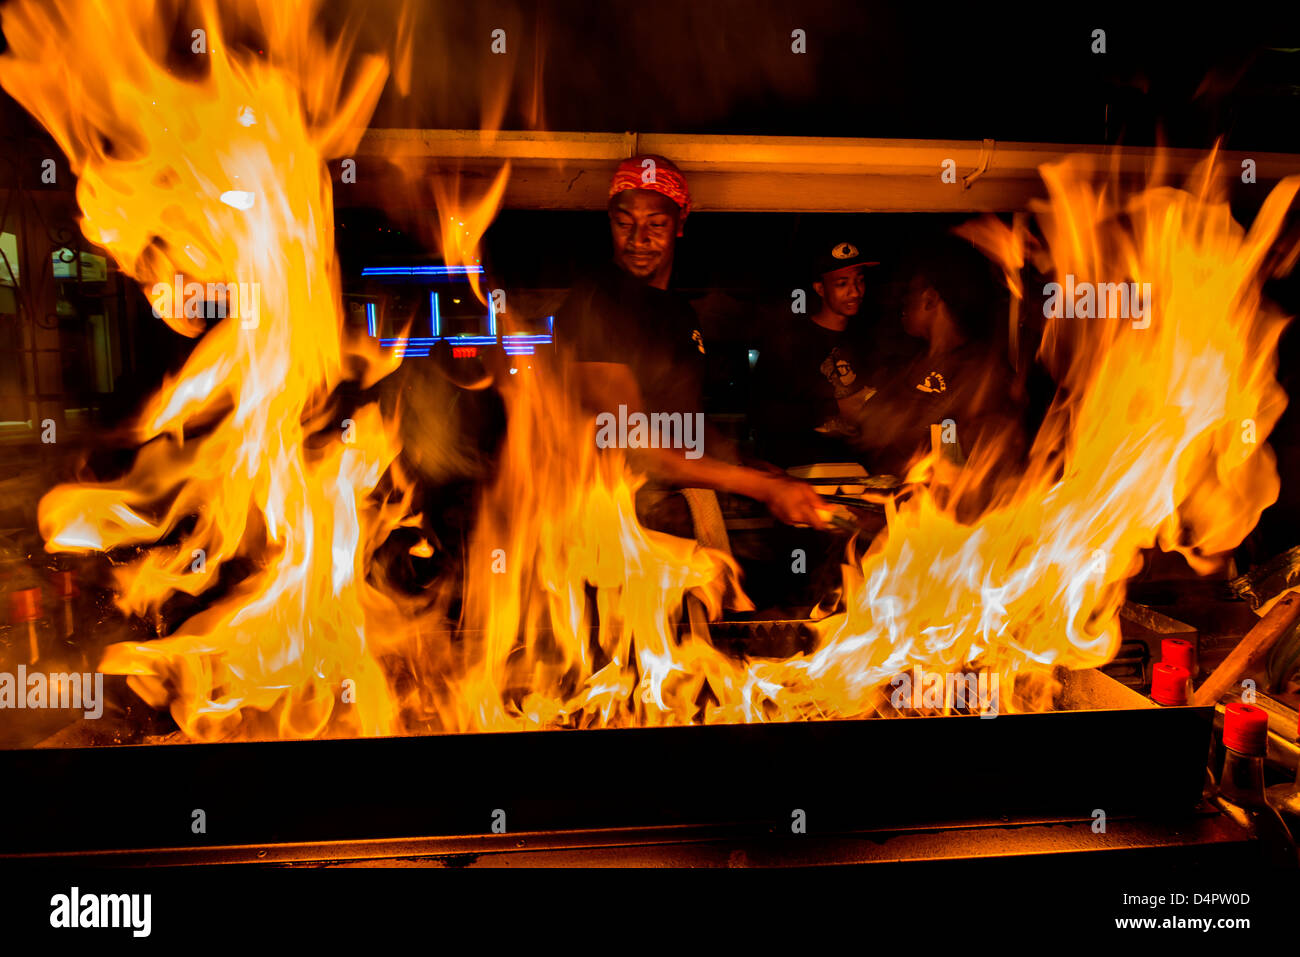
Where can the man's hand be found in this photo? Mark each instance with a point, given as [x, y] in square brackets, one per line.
[606, 385]
[793, 502]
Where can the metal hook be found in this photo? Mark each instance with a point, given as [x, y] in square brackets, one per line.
[986, 155]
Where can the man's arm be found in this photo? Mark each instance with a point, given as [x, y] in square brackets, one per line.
[604, 386]
[876, 420]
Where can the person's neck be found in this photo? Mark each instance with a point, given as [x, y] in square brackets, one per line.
[831, 320]
[945, 335]
[659, 279]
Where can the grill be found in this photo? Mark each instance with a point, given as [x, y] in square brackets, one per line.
[824, 777]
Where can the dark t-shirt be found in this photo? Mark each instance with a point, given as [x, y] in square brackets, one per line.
[803, 370]
[612, 316]
[968, 386]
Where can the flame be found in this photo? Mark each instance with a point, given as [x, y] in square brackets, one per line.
[462, 227]
[1155, 439]
[256, 490]
[576, 603]
[250, 487]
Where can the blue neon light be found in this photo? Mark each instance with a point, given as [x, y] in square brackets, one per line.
[436, 321]
[370, 318]
[509, 341]
[421, 270]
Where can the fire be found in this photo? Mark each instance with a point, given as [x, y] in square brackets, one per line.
[256, 490]
[249, 485]
[1155, 438]
[576, 602]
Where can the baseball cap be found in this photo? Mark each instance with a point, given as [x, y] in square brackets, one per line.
[841, 255]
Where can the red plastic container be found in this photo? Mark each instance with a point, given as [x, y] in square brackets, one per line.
[1170, 684]
[1245, 729]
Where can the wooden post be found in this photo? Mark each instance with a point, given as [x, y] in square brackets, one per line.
[1250, 651]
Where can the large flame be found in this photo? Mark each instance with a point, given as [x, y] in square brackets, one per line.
[213, 170]
[254, 490]
[1155, 438]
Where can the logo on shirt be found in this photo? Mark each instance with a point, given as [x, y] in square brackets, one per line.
[698, 339]
[838, 372]
[933, 383]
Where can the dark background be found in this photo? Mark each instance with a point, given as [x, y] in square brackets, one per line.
[923, 70]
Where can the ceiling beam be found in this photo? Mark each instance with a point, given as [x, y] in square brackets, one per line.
[775, 173]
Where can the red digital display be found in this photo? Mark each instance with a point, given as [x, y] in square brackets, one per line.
[464, 352]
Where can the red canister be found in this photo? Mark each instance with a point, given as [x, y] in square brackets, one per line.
[1245, 729]
[1170, 684]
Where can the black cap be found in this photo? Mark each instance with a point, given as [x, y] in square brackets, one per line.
[840, 256]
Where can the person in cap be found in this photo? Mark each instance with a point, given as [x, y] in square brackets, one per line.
[636, 344]
[810, 376]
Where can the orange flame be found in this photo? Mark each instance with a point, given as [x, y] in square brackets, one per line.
[572, 614]
[1156, 438]
[220, 178]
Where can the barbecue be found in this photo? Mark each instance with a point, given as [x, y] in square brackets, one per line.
[363, 518]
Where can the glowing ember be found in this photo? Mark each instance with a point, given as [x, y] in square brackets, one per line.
[571, 609]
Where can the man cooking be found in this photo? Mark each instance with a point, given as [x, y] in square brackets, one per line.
[635, 344]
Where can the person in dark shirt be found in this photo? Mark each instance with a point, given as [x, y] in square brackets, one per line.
[613, 317]
[951, 374]
[638, 346]
[812, 369]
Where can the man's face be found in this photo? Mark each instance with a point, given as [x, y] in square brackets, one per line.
[842, 290]
[644, 226]
[920, 302]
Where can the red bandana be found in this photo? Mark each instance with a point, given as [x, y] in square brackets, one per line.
[631, 174]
